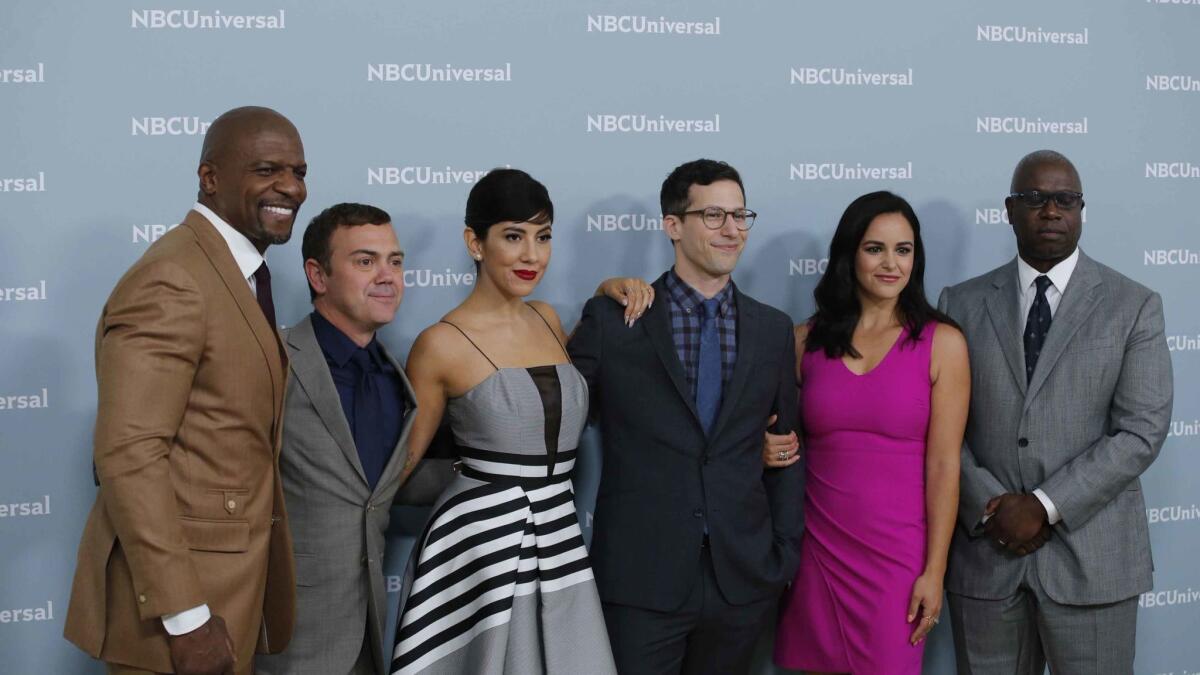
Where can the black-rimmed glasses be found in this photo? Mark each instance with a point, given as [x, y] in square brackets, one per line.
[1036, 199]
[714, 217]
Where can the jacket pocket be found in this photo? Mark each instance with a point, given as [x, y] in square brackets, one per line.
[218, 536]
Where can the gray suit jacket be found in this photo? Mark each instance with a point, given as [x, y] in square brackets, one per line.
[337, 521]
[1090, 421]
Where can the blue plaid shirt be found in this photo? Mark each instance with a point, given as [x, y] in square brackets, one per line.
[684, 304]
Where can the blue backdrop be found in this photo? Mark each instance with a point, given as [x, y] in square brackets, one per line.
[402, 105]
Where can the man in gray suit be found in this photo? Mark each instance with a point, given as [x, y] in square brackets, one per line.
[348, 411]
[1070, 403]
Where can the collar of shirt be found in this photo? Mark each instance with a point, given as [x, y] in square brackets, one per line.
[689, 298]
[247, 257]
[1059, 275]
[338, 346]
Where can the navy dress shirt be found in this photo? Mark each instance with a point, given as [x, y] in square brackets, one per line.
[375, 436]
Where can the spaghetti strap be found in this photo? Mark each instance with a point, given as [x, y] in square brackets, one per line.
[464, 334]
[560, 344]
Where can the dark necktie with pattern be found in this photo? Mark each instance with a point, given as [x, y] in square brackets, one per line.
[1036, 326]
[708, 375]
[262, 289]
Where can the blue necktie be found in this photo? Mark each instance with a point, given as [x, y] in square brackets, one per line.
[1036, 326]
[368, 415]
[708, 372]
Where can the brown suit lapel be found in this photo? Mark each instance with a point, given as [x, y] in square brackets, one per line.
[268, 338]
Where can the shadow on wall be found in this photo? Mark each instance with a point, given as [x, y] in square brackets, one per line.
[945, 231]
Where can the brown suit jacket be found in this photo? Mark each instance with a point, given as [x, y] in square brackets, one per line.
[190, 505]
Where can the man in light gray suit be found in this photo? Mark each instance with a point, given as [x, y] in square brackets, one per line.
[347, 414]
[1070, 402]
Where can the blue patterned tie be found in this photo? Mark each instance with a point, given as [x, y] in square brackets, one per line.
[1036, 326]
[708, 372]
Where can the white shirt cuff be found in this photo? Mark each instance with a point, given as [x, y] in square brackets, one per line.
[186, 621]
[1052, 515]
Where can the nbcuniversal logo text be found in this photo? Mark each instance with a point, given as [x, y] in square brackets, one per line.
[846, 77]
[34, 401]
[614, 23]
[649, 124]
[427, 278]
[24, 183]
[1175, 596]
[197, 19]
[842, 171]
[1173, 514]
[24, 293]
[1172, 83]
[1170, 256]
[1031, 36]
[423, 175]
[38, 507]
[427, 72]
[151, 233]
[806, 267]
[35, 75]
[1029, 125]
[623, 222]
[1172, 170]
[43, 613]
[1183, 343]
[168, 126]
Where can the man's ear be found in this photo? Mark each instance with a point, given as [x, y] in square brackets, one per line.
[316, 276]
[208, 177]
[673, 226]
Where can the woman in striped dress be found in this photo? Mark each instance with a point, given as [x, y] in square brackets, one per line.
[500, 581]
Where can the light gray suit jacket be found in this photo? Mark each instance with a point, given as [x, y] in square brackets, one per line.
[338, 522]
[1090, 421]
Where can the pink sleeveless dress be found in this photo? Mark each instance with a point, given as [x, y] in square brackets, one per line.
[864, 514]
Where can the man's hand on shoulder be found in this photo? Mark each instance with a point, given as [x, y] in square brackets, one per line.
[208, 650]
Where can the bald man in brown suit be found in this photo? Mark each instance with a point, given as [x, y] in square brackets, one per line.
[185, 564]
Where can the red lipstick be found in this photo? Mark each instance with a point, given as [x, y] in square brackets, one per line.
[527, 275]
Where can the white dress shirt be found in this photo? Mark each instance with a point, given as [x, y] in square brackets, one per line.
[1059, 276]
[248, 260]
[246, 256]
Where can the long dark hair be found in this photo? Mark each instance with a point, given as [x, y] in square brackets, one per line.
[831, 327]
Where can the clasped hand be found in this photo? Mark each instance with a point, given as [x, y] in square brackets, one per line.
[208, 650]
[1017, 523]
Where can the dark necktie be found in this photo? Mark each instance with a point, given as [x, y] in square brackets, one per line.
[262, 289]
[708, 372]
[1036, 326]
[368, 411]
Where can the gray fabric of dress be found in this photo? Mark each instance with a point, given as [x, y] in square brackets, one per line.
[501, 582]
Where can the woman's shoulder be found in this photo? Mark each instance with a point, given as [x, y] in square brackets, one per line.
[948, 341]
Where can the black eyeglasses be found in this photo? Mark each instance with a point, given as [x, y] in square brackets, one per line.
[714, 217]
[1035, 199]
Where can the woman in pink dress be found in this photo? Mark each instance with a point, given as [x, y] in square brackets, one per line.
[884, 383]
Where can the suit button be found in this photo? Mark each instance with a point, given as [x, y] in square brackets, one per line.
[1023, 442]
[370, 507]
[698, 513]
[142, 598]
[231, 504]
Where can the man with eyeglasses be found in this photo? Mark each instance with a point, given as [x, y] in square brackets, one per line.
[693, 541]
[1070, 403]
